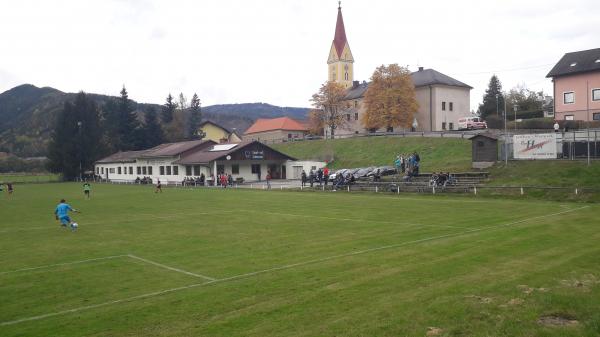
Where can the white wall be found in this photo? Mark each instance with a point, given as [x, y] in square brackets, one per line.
[294, 168]
[155, 164]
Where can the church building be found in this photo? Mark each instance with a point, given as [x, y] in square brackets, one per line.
[442, 99]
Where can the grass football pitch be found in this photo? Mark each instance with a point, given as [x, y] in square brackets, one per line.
[211, 262]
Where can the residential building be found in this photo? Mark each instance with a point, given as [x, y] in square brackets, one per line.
[442, 99]
[576, 79]
[217, 133]
[276, 130]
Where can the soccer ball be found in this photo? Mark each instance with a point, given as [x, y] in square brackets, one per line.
[74, 225]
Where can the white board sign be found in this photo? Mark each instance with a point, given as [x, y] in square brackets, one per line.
[534, 146]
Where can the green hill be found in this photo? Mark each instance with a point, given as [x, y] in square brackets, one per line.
[437, 154]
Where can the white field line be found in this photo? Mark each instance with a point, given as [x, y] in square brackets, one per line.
[171, 268]
[351, 219]
[62, 264]
[289, 266]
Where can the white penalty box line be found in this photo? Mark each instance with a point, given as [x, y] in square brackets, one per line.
[284, 267]
[130, 256]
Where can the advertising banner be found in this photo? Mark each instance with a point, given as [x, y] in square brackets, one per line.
[535, 146]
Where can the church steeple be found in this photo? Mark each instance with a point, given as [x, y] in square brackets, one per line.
[340, 61]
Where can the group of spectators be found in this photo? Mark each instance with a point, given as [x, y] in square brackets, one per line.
[223, 180]
[321, 176]
[408, 163]
[143, 181]
[191, 181]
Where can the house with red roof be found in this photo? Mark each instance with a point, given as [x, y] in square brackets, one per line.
[280, 129]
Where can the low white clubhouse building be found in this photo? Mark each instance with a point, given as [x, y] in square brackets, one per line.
[173, 162]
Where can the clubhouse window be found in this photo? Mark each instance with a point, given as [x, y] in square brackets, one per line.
[97, 170]
[131, 170]
[144, 170]
[175, 170]
[443, 106]
[220, 168]
[196, 170]
[102, 170]
[255, 168]
[595, 94]
[235, 169]
[188, 170]
[569, 97]
[112, 170]
[139, 170]
[119, 170]
[451, 106]
[161, 170]
[596, 116]
[168, 170]
[150, 170]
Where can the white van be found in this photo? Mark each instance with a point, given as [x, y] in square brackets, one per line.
[471, 123]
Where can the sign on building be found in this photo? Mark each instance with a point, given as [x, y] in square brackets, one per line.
[534, 146]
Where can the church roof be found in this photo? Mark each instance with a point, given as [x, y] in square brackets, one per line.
[281, 123]
[339, 40]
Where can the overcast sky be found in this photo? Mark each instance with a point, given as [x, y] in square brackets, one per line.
[239, 51]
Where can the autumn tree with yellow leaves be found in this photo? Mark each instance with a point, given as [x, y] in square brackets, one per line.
[329, 111]
[390, 99]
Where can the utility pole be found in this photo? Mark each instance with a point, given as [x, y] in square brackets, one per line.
[587, 123]
[80, 152]
[505, 136]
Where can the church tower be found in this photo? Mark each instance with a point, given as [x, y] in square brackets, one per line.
[340, 62]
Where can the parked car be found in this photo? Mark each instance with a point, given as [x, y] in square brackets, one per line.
[471, 123]
[383, 171]
[334, 175]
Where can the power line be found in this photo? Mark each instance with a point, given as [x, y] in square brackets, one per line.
[507, 70]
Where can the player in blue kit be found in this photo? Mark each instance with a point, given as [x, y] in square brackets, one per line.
[62, 214]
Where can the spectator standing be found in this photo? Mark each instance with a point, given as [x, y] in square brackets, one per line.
[320, 176]
[556, 126]
[311, 177]
[268, 177]
[303, 178]
[326, 175]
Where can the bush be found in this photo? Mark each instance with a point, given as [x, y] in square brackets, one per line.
[16, 164]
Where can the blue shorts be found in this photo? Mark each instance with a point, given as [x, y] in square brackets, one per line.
[65, 220]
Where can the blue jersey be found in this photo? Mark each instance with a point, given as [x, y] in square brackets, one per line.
[62, 210]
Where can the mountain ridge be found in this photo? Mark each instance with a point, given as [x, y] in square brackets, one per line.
[28, 113]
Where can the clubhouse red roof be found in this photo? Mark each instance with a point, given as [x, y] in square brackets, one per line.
[281, 123]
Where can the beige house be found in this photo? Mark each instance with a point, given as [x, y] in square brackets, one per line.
[276, 130]
[442, 99]
[217, 133]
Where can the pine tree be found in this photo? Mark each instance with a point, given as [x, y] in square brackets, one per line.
[195, 117]
[129, 133]
[168, 110]
[76, 139]
[153, 133]
[493, 100]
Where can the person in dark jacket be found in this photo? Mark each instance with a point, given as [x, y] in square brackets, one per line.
[303, 177]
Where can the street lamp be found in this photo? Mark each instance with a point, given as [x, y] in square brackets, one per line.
[80, 145]
[515, 108]
[497, 107]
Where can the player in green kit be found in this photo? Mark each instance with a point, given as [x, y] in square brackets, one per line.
[87, 189]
